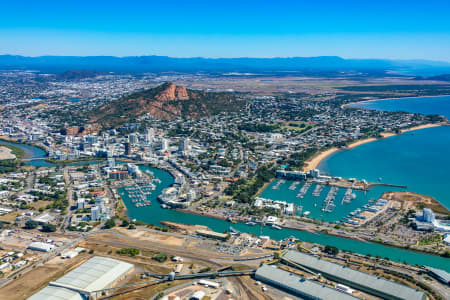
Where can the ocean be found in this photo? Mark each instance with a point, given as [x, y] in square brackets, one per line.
[418, 159]
[425, 105]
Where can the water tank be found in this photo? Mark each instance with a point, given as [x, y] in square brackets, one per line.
[171, 276]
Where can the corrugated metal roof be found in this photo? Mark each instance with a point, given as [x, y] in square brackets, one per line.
[95, 274]
[368, 281]
[56, 293]
[441, 273]
[299, 285]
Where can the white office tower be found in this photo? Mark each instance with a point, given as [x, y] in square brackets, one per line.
[314, 173]
[191, 195]
[80, 203]
[356, 133]
[133, 139]
[111, 163]
[164, 145]
[184, 145]
[133, 170]
[428, 215]
[149, 134]
[95, 213]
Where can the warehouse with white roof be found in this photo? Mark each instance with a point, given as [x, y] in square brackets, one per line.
[297, 285]
[358, 280]
[95, 274]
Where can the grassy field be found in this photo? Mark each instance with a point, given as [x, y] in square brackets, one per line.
[299, 126]
[18, 152]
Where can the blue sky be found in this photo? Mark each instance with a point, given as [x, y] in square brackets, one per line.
[352, 29]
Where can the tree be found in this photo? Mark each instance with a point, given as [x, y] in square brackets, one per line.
[48, 227]
[125, 223]
[110, 224]
[160, 257]
[30, 224]
[331, 250]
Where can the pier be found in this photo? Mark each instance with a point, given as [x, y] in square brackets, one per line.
[294, 185]
[278, 184]
[348, 196]
[373, 184]
[304, 190]
[318, 190]
[137, 195]
[328, 203]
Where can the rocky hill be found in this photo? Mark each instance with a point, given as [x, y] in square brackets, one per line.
[79, 74]
[167, 101]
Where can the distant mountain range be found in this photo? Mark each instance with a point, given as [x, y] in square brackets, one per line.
[167, 101]
[331, 65]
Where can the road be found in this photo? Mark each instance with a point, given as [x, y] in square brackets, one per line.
[69, 190]
[195, 254]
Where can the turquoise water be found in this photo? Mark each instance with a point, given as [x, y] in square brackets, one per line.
[314, 204]
[154, 214]
[418, 159]
[424, 105]
[32, 152]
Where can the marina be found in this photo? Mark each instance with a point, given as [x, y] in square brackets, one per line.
[154, 214]
[139, 192]
[314, 195]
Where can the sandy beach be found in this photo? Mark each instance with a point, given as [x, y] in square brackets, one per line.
[6, 153]
[315, 161]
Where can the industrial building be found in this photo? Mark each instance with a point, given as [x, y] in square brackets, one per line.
[95, 274]
[439, 274]
[212, 234]
[358, 280]
[38, 246]
[298, 285]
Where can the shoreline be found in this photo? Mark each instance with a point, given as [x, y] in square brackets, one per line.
[329, 233]
[317, 159]
[384, 99]
[306, 230]
[6, 153]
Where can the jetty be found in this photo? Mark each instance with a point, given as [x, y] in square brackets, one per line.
[278, 184]
[304, 190]
[348, 196]
[328, 203]
[294, 185]
[318, 190]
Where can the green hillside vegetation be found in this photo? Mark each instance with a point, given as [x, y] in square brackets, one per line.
[199, 104]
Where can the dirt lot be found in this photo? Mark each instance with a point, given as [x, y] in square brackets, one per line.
[148, 236]
[184, 228]
[411, 200]
[38, 278]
